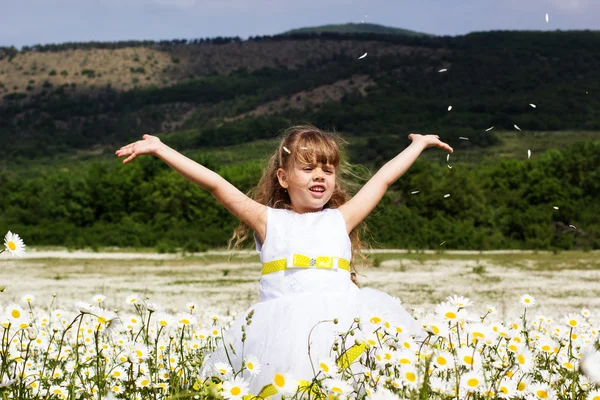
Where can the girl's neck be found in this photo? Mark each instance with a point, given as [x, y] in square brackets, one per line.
[305, 211]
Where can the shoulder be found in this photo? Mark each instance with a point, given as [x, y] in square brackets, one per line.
[340, 211]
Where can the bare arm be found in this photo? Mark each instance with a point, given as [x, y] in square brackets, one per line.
[247, 210]
[361, 205]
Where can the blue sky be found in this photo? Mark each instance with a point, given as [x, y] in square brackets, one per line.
[27, 22]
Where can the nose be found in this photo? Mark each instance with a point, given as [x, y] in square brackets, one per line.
[318, 174]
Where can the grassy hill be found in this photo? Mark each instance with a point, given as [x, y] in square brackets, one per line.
[215, 92]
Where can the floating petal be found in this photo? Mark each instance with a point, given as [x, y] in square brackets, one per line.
[532, 105]
[415, 192]
[443, 70]
[517, 128]
[489, 129]
[528, 154]
[463, 138]
[363, 56]
[447, 195]
[449, 108]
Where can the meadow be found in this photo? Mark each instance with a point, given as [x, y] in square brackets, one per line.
[226, 282]
[538, 320]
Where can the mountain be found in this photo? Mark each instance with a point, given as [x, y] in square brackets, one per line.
[356, 28]
[202, 93]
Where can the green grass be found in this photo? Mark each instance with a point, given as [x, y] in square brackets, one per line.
[514, 145]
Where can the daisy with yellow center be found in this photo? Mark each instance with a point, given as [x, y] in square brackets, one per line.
[572, 320]
[284, 384]
[327, 365]
[443, 360]
[58, 391]
[337, 388]
[253, 365]
[448, 312]
[14, 244]
[527, 301]
[409, 376]
[142, 382]
[235, 388]
[541, 391]
[471, 381]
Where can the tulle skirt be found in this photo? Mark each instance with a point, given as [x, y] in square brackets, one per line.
[278, 335]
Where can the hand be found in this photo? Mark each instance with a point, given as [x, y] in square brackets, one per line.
[148, 145]
[430, 141]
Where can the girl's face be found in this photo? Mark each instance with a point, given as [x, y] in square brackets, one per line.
[310, 186]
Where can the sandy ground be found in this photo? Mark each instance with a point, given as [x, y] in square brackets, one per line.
[230, 287]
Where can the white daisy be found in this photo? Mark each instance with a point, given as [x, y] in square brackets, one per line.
[14, 312]
[132, 299]
[506, 389]
[524, 359]
[527, 301]
[138, 353]
[459, 301]
[285, 384]
[594, 395]
[14, 244]
[222, 369]
[468, 357]
[572, 320]
[119, 373]
[337, 387]
[327, 365]
[142, 381]
[471, 381]
[235, 388]
[253, 365]
[58, 391]
[449, 312]
[443, 360]
[28, 298]
[185, 319]
[99, 298]
[409, 376]
[541, 391]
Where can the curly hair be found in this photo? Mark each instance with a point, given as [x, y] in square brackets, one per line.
[309, 144]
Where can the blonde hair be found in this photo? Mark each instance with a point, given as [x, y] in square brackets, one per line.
[303, 144]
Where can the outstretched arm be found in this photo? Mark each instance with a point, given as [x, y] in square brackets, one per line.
[361, 205]
[247, 210]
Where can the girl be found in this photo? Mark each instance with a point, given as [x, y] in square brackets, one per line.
[304, 229]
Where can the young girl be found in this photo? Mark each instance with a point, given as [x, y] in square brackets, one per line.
[304, 228]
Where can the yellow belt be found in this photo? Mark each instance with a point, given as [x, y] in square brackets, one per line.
[301, 261]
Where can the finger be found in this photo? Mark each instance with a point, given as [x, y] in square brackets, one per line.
[146, 136]
[131, 157]
[410, 136]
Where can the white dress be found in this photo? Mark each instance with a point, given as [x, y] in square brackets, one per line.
[294, 300]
